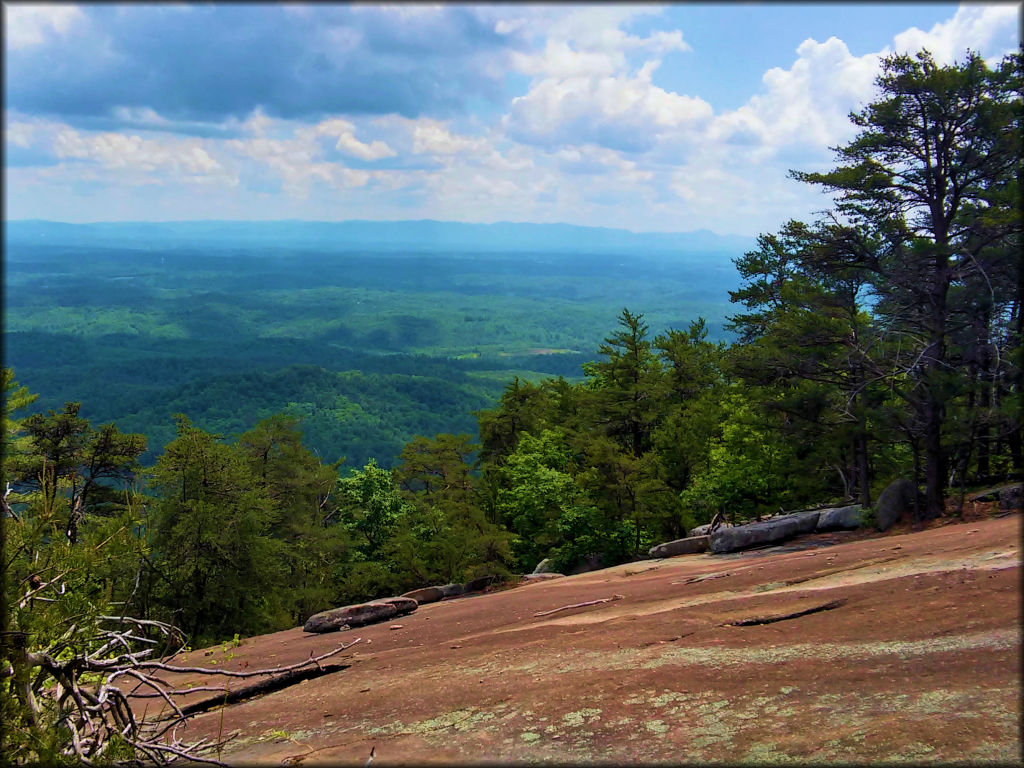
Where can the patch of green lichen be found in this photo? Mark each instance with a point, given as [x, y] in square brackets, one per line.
[911, 753]
[576, 719]
[656, 726]
[668, 698]
[768, 753]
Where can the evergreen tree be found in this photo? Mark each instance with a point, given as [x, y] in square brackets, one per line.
[933, 176]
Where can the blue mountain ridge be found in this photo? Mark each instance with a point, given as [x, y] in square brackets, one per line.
[423, 234]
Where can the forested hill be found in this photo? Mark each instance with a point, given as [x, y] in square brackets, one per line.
[230, 322]
[422, 235]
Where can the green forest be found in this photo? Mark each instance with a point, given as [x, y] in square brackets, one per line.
[368, 348]
[882, 340]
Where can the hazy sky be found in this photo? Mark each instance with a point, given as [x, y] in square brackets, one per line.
[651, 118]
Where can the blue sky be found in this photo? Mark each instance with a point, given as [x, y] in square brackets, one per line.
[650, 118]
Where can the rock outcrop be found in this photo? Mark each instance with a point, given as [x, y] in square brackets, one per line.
[894, 502]
[425, 595]
[452, 590]
[403, 605]
[754, 534]
[477, 585]
[545, 566]
[1011, 497]
[685, 546]
[840, 518]
[806, 521]
[704, 530]
[350, 615]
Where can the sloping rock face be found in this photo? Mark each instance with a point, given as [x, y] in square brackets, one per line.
[755, 534]
[425, 595]
[351, 615]
[896, 500]
[840, 518]
[687, 546]
[403, 605]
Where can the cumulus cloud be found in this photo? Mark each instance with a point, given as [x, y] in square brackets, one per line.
[625, 112]
[988, 29]
[807, 104]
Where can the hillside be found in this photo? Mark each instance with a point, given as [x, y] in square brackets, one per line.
[919, 661]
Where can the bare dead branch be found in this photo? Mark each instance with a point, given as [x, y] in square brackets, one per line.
[256, 673]
[581, 605]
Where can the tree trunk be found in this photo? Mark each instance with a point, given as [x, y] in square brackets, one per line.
[934, 461]
[934, 410]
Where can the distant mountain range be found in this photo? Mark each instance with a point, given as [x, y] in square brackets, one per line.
[421, 235]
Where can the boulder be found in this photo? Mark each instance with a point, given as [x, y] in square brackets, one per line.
[403, 605]
[425, 595]
[754, 534]
[452, 590]
[806, 521]
[350, 615]
[542, 576]
[895, 501]
[840, 518]
[686, 546]
[477, 585]
[704, 530]
[1011, 497]
[545, 566]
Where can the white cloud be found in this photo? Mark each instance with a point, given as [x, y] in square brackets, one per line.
[344, 132]
[26, 24]
[807, 104]
[591, 139]
[621, 111]
[600, 161]
[295, 155]
[137, 157]
[990, 30]
[434, 137]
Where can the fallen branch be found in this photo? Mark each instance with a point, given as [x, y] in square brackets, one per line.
[707, 577]
[255, 673]
[772, 619]
[580, 605]
[98, 714]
